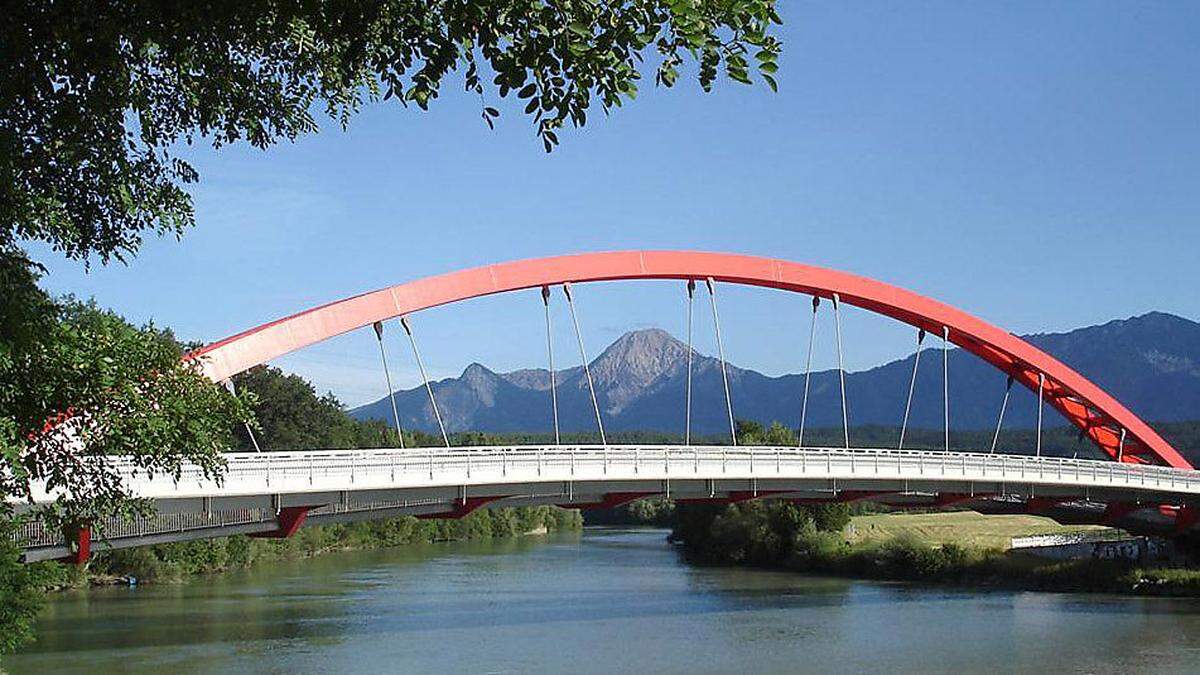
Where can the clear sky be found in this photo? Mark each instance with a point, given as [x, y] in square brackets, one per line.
[1035, 163]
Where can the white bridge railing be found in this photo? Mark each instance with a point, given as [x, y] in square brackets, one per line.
[313, 471]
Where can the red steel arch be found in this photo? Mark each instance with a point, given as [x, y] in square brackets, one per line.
[1097, 414]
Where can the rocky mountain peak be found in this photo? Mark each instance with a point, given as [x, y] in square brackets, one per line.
[482, 381]
[477, 372]
[635, 361]
[639, 358]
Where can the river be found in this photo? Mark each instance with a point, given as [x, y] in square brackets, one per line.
[606, 600]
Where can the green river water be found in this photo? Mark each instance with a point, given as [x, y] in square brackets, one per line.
[606, 600]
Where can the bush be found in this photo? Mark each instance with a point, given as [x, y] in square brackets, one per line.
[22, 590]
[758, 532]
[171, 562]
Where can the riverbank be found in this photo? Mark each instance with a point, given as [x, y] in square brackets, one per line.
[167, 563]
[901, 547]
[908, 559]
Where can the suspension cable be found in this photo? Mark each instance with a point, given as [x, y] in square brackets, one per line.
[253, 441]
[550, 352]
[1121, 447]
[712, 296]
[587, 371]
[1041, 398]
[837, 322]
[812, 334]
[687, 415]
[387, 375]
[912, 385]
[1000, 420]
[946, 384]
[428, 387]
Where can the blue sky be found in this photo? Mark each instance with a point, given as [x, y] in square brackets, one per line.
[1033, 163]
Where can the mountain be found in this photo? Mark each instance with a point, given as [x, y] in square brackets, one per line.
[1150, 362]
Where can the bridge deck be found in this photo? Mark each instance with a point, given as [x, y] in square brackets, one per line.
[355, 484]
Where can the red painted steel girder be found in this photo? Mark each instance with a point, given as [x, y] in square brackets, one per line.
[945, 499]
[732, 497]
[462, 508]
[610, 500]
[844, 497]
[1099, 415]
[1114, 512]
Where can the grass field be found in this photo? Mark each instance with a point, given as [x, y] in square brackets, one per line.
[961, 527]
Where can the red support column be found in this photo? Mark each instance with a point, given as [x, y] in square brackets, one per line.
[463, 508]
[290, 518]
[83, 546]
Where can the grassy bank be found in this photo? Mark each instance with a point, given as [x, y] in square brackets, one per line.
[175, 562]
[906, 558]
[964, 528]
[961, 548]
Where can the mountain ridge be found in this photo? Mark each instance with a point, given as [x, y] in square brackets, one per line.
[1150, 362]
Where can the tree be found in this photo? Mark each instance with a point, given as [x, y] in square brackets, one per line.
[291, 416]
[79, 386]
[97, 98]
[761, 532]
[89, 387]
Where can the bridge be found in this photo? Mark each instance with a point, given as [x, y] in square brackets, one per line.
[1145, 485]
